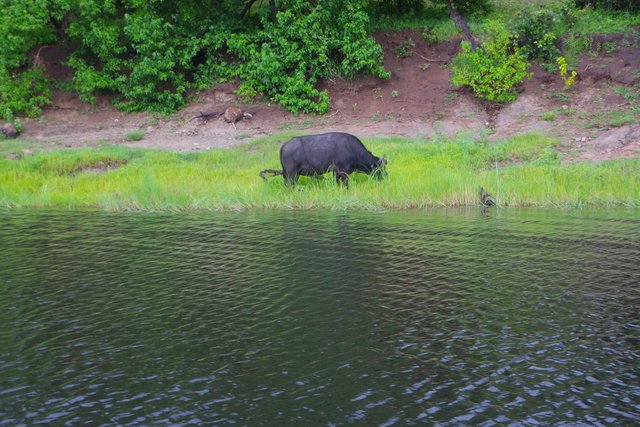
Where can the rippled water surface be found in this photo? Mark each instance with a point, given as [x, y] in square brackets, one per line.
[320, 318]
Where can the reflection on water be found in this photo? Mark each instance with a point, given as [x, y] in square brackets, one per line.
[320, 318]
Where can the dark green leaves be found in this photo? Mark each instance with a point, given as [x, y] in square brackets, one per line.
[151, 53]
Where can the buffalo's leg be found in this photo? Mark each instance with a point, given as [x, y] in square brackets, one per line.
[342, 177]
[339, 175]
[290, 179]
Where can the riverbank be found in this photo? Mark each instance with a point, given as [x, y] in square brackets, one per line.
[521, 171]
[597, 118]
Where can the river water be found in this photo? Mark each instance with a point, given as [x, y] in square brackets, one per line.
[320, 318]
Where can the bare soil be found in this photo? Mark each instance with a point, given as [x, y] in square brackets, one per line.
[594, 120]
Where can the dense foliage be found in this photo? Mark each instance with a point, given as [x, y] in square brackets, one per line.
[492, 71]
[24, 25]
[307, 42]
[152, 54]
[631, 5]
[148, 53]
[540, 27]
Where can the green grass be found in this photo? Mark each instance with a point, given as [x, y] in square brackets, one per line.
[613, 119]
[296, 124]
[523, 171]
[548, 116]
[588, 23]
[560, 96]
[439, 31]
[429, 18]
[631, 94]
[591, 21]
[136, 135]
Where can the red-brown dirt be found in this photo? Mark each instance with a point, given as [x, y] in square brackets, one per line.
[417, 101]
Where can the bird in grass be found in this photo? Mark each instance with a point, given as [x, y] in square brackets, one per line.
[486, 199]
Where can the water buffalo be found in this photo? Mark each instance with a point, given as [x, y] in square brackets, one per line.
[337, 152]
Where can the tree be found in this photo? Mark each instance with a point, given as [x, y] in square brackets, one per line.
[23, 26]
[151, 54]
[305, 42]
[462, 23]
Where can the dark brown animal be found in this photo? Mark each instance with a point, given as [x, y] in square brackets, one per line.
[337, 152]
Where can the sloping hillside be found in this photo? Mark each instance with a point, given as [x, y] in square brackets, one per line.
[597, 118]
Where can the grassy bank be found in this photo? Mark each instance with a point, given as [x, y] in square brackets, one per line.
[523, 171]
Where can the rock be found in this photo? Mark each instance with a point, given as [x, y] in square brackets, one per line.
[9, 130]
[630, 56]
[618, 138]
[232, 114]
[247, 115]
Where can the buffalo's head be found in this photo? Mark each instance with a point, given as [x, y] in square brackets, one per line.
[379, 169]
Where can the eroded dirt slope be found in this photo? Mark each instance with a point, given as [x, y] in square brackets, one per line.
[596, 119]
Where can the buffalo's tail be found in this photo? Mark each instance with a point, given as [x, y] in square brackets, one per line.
[274, 172]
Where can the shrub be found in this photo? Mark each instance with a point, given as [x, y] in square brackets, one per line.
[135, 135]
[539, 29]
[24, 25]
[403, 50]
[395, 7]
[468, 7]
[145, 57]
[305, 43]
[440, 31]
[631, 5]
[23, 93]
[569, 78]
[492, 71]
[151, 55]
[19, 125]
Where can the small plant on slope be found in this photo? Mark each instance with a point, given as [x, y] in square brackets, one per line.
[135, 135]
[569, 80]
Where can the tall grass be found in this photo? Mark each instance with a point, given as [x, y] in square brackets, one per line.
[523, 171]
[589, 21]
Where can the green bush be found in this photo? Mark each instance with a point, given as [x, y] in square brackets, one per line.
[142, 52]
[23, 93]
[492, 71]
[468, 7]
[539, 29]
[630, 5]
[306, 43]
[385, 11]
[151, 54]
[135, 135]
[395, 7]
[23, 26]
